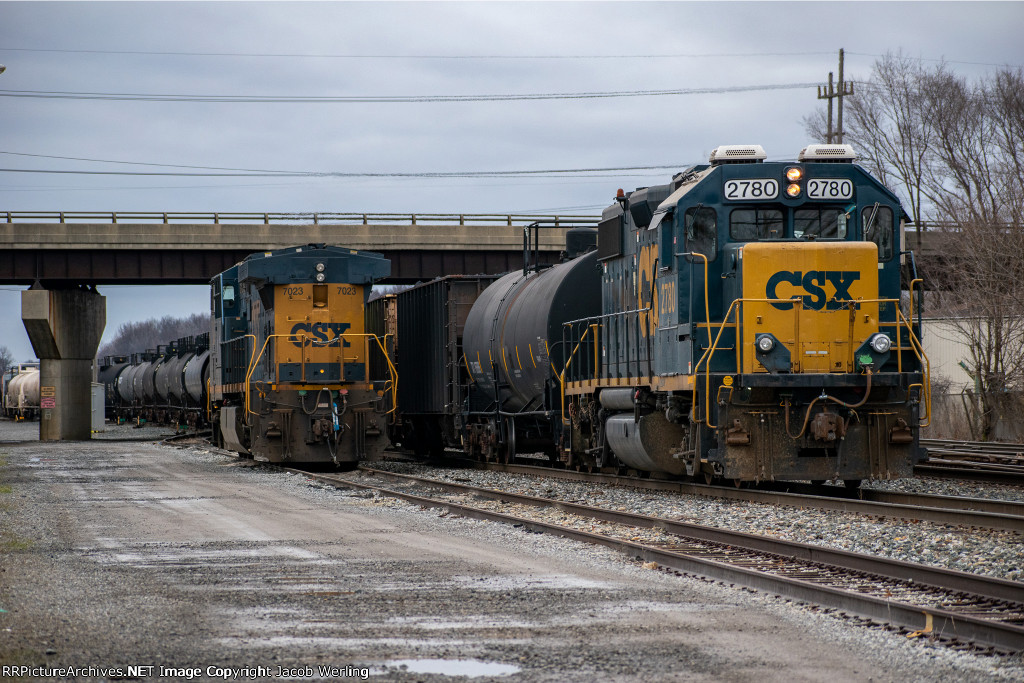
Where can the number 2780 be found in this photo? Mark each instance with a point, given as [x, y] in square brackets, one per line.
[752, 188]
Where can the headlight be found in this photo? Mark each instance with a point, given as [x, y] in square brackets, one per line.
[765, 343]
[319, 267]
[881, 343]
[794, 174]
[793, 190]
[320, 277]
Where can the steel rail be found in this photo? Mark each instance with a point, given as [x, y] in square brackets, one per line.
[937, 471]
[983, 446]
[973, 461]
[973, 512]
[939, 621]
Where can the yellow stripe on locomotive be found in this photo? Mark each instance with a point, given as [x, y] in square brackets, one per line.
[818, 300]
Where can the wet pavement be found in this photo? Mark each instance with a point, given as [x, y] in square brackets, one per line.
[128, 559]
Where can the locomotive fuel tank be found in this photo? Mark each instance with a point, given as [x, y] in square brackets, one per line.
[513, 335]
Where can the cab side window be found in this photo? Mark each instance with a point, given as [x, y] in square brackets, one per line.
[878, 228]
[701, 226]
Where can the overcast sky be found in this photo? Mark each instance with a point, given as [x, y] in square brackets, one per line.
[751, 63]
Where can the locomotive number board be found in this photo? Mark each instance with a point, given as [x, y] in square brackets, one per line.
[830, 188]
[751, 188]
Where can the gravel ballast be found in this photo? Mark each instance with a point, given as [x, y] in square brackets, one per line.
[987, 552]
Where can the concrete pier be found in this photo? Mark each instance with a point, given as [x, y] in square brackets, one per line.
[65, 327]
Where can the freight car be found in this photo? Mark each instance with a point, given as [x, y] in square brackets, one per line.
[21, 391]
[290, 363]
[428, 321]
[743, 322]
[167, 385]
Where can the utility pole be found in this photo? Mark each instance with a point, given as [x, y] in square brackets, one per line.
[831, 92]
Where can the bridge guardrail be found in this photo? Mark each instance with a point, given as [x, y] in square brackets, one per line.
[315, 218]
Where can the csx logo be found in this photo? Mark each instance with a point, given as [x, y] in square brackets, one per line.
[813, 283]
[319, 332]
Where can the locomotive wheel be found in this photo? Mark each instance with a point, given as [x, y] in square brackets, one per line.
[707, 477]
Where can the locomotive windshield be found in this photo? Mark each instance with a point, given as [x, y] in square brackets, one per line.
[819, 222]
[756, 224]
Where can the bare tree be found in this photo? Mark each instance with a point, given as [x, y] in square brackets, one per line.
[6, 359]
[983, 298]
[953, 150]
[887, 123]
[149, 334]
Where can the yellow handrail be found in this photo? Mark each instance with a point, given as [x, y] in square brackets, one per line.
[899, 323]
[561, 375]
[302, 337]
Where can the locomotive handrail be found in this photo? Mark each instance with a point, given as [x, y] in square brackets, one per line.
[568, 362]
[616, 316]
[707, 315]
[303, 338]
[915, 346]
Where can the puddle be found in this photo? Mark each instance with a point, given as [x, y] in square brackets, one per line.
[543, 581]
[471, 668]
[440, 624]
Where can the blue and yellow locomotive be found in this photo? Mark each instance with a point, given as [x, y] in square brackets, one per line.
[751, 327]
[290, 375]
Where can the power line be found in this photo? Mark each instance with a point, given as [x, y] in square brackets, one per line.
[143, 163]
[681, 55]
[547, 173]
[455, 57]
[389, 99]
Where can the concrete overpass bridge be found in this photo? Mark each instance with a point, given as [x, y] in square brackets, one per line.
[84, 248]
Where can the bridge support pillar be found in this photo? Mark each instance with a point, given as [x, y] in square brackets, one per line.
[65, 327]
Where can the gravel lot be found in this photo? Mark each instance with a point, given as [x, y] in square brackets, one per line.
[130, 553]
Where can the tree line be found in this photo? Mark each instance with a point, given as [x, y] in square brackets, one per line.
[133, 337]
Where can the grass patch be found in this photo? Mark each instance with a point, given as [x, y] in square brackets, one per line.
[21, 657]
[13, 544]
[4, 488]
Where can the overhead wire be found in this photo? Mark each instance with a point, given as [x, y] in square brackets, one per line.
[390, 99]
[457, 57]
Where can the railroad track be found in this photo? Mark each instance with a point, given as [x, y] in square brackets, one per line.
[951, 606]
[973, 460]
[953, 510]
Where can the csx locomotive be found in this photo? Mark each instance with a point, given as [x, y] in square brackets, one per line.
[742, 322]
[290, 357]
